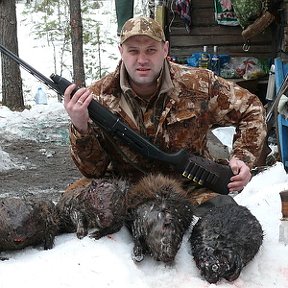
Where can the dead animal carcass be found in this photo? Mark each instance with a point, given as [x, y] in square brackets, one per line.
[158, 216]
[224, 240]
[100, 205]
[27, 221]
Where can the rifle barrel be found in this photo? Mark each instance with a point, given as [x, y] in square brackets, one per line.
[29, 68]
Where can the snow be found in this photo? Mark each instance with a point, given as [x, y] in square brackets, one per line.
[22, 124]
[107, 262]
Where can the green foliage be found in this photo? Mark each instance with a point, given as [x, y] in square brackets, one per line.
[51, 20]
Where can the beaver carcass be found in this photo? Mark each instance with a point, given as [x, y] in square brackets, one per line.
[27, 221]
[224, 240]
[101, 205]
[158, 216]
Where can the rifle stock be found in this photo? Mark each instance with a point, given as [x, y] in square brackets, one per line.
[202, 171]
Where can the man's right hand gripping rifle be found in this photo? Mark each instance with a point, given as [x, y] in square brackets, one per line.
[77, 107]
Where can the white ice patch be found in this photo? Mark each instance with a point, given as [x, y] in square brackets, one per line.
[6, 163]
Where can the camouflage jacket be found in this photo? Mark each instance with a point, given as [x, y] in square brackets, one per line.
[190, 101]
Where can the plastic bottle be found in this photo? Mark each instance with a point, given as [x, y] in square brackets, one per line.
[41, 97]
[215, 61]
[204, 58]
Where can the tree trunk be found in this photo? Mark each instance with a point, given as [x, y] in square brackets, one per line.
[77, 42]
[12, 94]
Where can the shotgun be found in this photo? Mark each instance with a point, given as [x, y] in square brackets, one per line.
[202, 171]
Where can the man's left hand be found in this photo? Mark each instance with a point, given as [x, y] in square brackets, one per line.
[242, 175]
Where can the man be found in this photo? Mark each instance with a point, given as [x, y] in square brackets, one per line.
[173, 106]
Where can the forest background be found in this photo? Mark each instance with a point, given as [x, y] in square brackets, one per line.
[81, 33]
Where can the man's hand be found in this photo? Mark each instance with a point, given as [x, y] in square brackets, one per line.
[76, 107]
[242, 175]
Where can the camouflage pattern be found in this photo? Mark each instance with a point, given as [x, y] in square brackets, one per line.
[142, 26]
[189, 103]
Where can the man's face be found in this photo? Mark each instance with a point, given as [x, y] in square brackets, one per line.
[143, 58]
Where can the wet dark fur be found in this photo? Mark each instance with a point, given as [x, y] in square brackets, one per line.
[158, 217]
[27, 221]
[101, 205]
[224, 241]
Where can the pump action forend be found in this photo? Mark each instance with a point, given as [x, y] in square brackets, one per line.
[205, 172]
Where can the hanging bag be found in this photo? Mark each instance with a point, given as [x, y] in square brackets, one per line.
[247, 11]
[254, 17]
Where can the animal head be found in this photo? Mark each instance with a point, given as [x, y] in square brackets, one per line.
[27, 221]
[163, 229]
[216, 264]
[105, 201]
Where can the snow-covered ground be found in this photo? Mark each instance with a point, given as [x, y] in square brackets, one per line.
[107, 262]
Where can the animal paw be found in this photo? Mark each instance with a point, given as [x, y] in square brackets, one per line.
[138, 255]
[96, 235]
[235, 271]
[81, 232]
